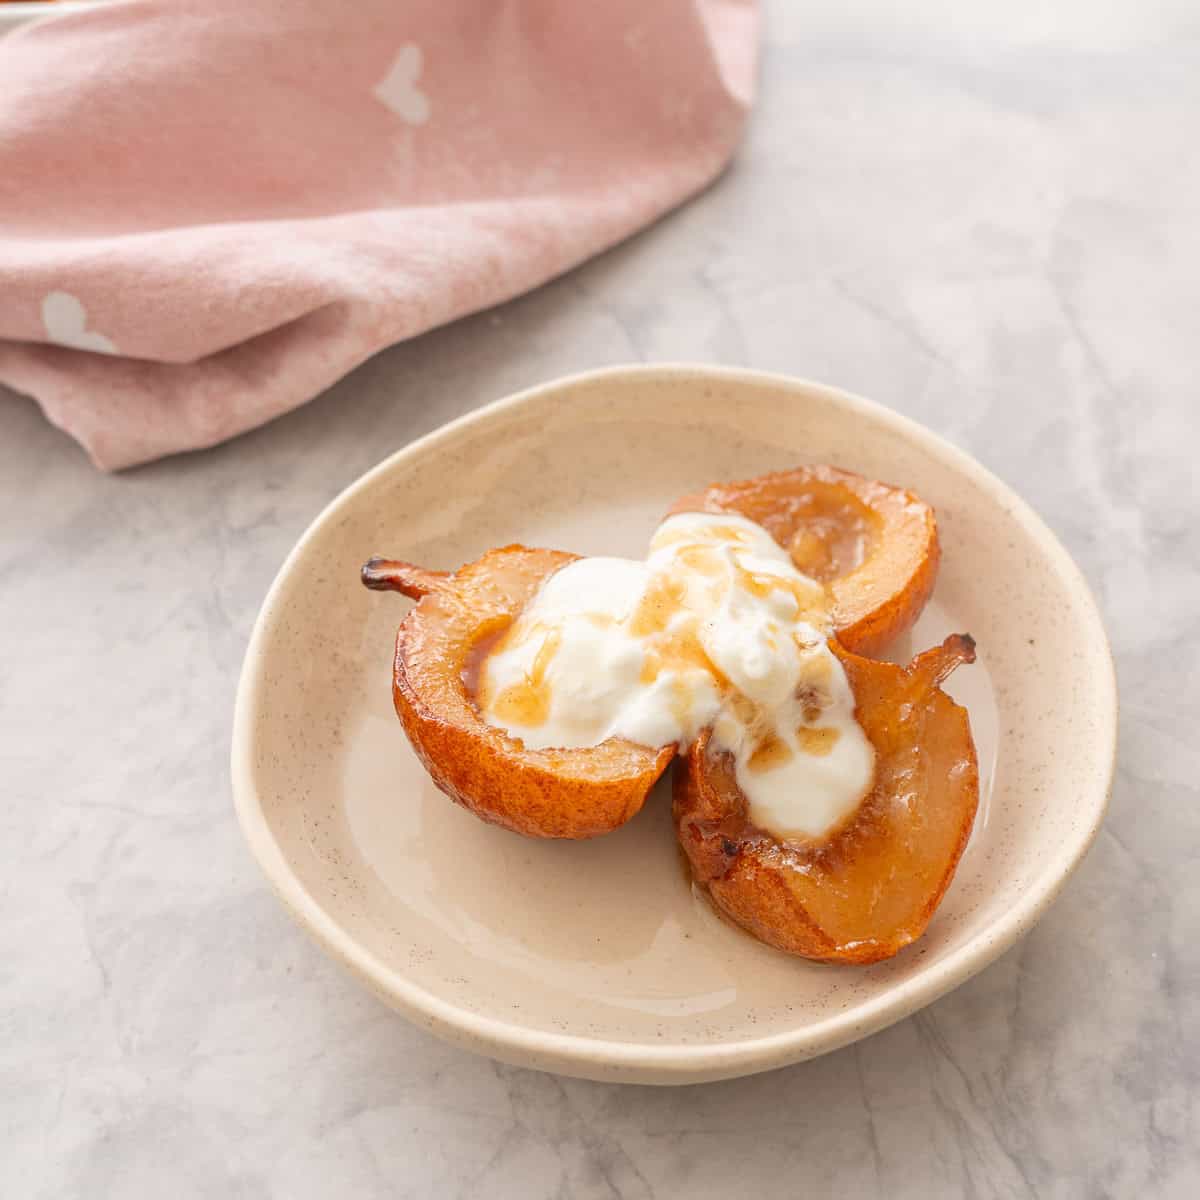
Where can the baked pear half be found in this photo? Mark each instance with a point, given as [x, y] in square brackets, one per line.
[869, 887]
[570, 793]
[874, 546]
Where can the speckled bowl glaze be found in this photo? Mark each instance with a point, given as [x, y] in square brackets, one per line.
[596, 958]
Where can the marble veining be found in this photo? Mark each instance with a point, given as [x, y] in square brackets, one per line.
[982, 216]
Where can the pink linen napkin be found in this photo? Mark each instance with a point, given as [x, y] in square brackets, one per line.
[212, 209]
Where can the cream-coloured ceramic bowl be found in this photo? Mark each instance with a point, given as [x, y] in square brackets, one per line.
[595, 958]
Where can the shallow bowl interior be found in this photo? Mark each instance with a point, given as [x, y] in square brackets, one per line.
[596, 958]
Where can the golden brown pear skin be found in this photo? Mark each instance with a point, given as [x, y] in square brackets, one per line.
[572, 793]
[869, 888]
[874, 546]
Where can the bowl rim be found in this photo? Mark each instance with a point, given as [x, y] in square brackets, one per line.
[668, 1061]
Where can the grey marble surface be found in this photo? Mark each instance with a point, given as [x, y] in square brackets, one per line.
[985, 218]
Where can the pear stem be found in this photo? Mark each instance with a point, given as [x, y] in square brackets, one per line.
[392, 575]
[933, 666]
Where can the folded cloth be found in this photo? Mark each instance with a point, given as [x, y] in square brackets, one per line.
[212, 209]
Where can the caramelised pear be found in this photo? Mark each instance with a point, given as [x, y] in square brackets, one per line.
[570, 793]
[874, 546]
[867, 888]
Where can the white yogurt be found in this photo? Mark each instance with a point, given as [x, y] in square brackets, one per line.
[716, 628]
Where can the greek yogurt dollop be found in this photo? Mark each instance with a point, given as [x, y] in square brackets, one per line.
[715, 628]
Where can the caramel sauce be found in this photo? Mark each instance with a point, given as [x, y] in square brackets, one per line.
[818, 673]
[528, 702]
[769, 754]
[704, 561]
[817, 740]
[762, 584]
[753, 721]
[679, 651]
[476, 656]
[701, 559]
[661, 601]
[744, 709]
[811, 602]
[812, 703]
[718, 533]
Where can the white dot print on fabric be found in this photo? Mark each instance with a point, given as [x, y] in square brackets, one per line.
[66, 321]
[398, 90]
